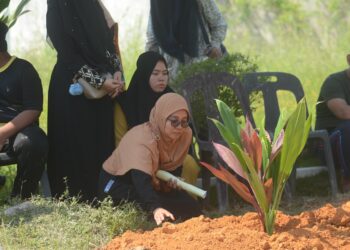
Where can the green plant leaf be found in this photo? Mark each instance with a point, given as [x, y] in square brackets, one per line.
[266, 149]
[224, 131]
[293, 142]
[306, 132]
[4, 4]
[11, 19]
[229, 120]
[254, 181]
[280, 125]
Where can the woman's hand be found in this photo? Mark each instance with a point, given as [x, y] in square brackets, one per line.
[111, 86]
[118, 77]
[160, 214]
[172, 183]
[215, 53]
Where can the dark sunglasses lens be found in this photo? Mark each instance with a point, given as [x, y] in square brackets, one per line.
[184, 124]
[176, 123]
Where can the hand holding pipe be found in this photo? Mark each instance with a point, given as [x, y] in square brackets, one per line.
[166, 176]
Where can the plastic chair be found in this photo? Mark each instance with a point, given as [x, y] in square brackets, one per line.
[269, 83]
[207, 85]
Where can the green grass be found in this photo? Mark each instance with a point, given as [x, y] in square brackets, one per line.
[67, 225]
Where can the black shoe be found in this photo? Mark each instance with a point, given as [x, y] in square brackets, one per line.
[2, 180]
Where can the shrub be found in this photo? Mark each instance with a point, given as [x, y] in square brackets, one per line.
[236, 64]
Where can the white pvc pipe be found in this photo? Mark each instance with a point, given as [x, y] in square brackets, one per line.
[166, 176]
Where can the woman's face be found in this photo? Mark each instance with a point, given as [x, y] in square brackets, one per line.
[176, 123]
[159, 77]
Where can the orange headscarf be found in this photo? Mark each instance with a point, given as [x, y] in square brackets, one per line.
[147, 147]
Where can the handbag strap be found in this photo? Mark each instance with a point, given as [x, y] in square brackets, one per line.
[205, 34]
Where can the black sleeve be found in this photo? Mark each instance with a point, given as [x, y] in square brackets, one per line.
[32, 92]
[144, 189]
[177, 172]
[65, 46]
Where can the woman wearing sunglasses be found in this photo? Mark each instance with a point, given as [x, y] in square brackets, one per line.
[149, 82]
[161, 143]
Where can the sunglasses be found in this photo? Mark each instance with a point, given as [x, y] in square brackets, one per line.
[176, 122]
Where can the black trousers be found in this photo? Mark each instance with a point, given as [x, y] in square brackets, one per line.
[30, 148]
[135, 186]
[342, 132]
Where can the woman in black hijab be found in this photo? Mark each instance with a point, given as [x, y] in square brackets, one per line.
[80, 130]
[140, 98]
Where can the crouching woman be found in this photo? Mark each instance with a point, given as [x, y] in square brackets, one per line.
[161, 144]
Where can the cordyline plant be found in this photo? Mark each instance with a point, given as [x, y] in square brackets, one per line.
[11, 18]
[262, 163]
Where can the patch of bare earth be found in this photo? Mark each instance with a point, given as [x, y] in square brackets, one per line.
[324, 228]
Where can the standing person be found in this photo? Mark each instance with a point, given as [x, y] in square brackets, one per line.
[185, 31]
[21, 100]
[333, 114]
[149, 82]
[80, 130]
[160, 144]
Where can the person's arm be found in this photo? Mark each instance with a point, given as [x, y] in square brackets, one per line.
[339, 108]
[22, 120]
[216, 23]
[32, 101]
[68, 53]
[333, 94]
[149, 198]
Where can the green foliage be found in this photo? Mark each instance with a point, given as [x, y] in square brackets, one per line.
[237, 64]
[11, 19]
[263, 163]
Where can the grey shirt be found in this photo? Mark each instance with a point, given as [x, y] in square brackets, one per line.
[215, 25]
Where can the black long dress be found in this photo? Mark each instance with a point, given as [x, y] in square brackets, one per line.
[80, 131]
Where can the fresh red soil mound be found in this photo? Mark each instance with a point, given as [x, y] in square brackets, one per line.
[324, 228]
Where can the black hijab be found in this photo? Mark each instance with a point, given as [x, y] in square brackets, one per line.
[139, 98]
[3, 32]
[175, 25]
[85, 22]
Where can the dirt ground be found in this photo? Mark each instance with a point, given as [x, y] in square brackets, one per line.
[327, 227]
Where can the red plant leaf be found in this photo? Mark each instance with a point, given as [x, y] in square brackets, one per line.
[276, 147]
[268, 185]
[217, 172]
[249, 128]
[253, 147]
[241, 189]
[230, 159]
[257, 152]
